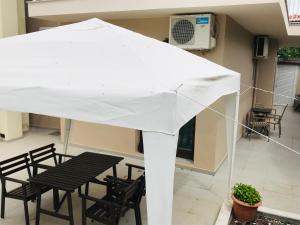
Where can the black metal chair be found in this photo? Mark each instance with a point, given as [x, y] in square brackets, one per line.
[275, 120]
[123, 181]
[26, 192]
[258, 124]
[121, 196]
[296, 104]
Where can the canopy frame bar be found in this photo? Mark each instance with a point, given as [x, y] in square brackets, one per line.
[67, 131]
[232, 116]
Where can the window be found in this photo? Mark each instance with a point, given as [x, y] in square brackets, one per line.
[186, 140]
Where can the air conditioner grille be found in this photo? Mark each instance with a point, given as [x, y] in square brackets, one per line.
[183, 31]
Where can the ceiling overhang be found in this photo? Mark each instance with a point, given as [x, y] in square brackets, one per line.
[268, 17]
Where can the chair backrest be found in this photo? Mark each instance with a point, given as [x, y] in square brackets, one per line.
[14, 165]
[285, 107]
[42, 154]
[141, 190]
[250, 118]
[134, 192]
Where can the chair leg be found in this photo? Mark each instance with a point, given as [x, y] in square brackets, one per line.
[79, 192]
[87, 188]
[26, 213]
[70, 208]
[249, 134]
[279, 129]
[2, 205]
[138, 218]
[83, 211]
[38, 207]
[115, 171]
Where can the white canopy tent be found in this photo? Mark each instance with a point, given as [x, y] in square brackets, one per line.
[97, 72]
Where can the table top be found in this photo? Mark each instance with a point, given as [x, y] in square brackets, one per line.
[262, 110]
[76, 172]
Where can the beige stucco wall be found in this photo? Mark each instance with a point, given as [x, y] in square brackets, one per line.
[9, 16]
[35, 24]
[234, 50]
[12, 17]
[238, 54]
[117, 139]
[266, 73]
[210, 136]
[44, 121]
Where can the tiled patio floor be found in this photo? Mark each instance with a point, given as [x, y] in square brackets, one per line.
[197, 197]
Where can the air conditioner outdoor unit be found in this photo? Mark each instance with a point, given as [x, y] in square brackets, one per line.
[261, 47]
[193, 32]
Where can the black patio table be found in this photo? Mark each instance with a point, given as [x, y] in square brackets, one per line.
[70, 176]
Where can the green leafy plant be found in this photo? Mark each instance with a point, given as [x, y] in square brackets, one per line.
[246, 193]
[289, 53]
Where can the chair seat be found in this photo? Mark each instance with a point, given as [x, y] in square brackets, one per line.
[31, 191]
[273, 121]
[260, 124]
[100, 211]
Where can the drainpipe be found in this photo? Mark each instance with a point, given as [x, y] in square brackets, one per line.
[255, 65]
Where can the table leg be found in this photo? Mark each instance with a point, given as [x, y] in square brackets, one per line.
[83, 216]
[38, 206]
[70, 208]
[87, 187]
[60, 203]
[115, 171]
[55, 198]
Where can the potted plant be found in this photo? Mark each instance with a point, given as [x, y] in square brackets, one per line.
[246, 200]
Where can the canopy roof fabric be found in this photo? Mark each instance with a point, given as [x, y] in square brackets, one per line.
[96, 72]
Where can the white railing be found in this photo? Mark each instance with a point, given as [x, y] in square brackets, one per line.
[293, 8]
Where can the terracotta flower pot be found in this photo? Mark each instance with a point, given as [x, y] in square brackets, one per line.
[244, 212]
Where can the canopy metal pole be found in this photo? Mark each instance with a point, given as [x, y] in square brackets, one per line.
[232, 112]
[160, 156]
[67, 131]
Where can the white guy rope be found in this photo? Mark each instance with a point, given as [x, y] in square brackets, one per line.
[270, 92]
[241, 124]
[245, 91]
